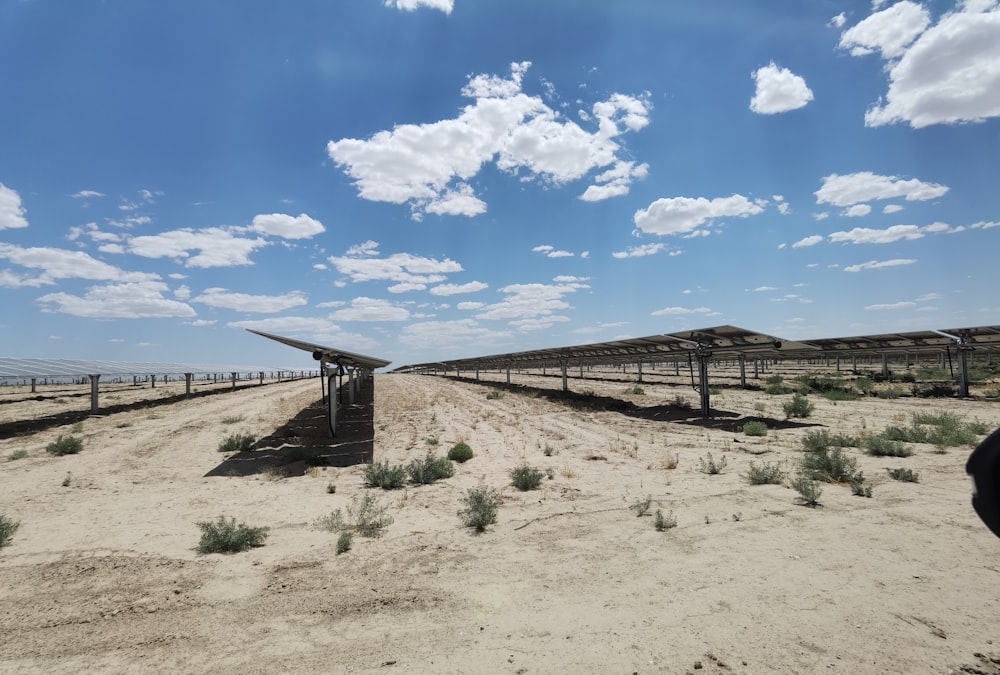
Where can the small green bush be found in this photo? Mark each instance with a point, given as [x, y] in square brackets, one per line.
[641, 507]
[889, 393]
[526, 478]
[814, 441]
[429, 469]
[799, 406]
[858, 487]
[383, 475]
[904, 475]
[7, 529]
[481, 504]
[460, 452]
[366, 515]
[710, 466]
[65, 445]
[232, 419]
[879, 446]
[237, 443]
[494, 395]
[225, 536]
[331, 488]
[344, 542]
[16, 455]
[765, 474]
[839, 395]
[432, 440]
[831, 466]
[755, 428]
[635, 390]
[664, 522]
[864, 385]
[808, 489]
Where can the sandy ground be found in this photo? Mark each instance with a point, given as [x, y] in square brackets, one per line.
[103, 574]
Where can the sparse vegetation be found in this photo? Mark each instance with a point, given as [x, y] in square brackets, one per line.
[237, 443]
[799, 406]
[232, 419]
[383, 475]
[494, 394]
[815, 441]
[68, 480]
[460, 452]
[641, 507]
[65, 445]
[681, 402]
[943, 430]
[481, 504]
[889, 393]
[808, 489]
[755, 428]
[525, 477]
[710, 466]
[431, 440]
[366, 516]
[664, 522]
[858, 487]
[17, 454]
[831, 466]
[331, 488]
[7, 529]
[225, 536]
[880, 446]
[635, 390]
[548, 451]
[77, 428]
[344, 541]
[430, 469]
[775, 385]
[904, 475]
[765, 474]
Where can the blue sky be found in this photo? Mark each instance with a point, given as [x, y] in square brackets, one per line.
[429, 179]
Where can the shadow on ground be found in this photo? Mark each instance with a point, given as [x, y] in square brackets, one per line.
[304, 441]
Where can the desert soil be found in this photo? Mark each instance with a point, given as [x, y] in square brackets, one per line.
[103, 574]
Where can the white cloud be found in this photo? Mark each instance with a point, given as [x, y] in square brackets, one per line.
[891, 208]
[763, 289]
[406, 287]
[865, 186]
[784, 209]
[684, 215]
[321, 331]
[879, 264]
[950, 74]
[559, 254]
[57, 263]
[811, 240]
[857, 211]
[838, 21]
[11, 211]
[823, 215]
[889, 31]
[129, 222]
[455, 289]
[429, 165]
[984, 225]
[526, 301]
[410, 5]
[569, 279]
[639, 251]
[468, 306]
[133, 300]
[288, 227]
[895, 305]
[448, 335]
[87, 194]
[864, 235]
[402, 268]
[778, 90]
[681, 311]
[367, 248]
[371, 309]
[525, 325]
[216, 246]
[242, 302]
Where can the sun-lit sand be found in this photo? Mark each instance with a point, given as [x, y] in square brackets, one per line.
[103, 575]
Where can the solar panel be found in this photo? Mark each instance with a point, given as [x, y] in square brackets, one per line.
[22, 368]
[329, 354]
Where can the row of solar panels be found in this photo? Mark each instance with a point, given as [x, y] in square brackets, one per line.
[724, 342]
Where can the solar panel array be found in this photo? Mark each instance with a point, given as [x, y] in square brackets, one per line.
[54, 368]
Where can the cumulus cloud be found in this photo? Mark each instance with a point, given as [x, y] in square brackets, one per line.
[525, 301]
[11, 211]
[891, 306]
[857, 211]
[456, 289]
[242, 302]
[430, 165]
[891, 208]
[947, 73]
[87, 194]
[57, 263]
[778, 90]
[445, 336]
[410, 5]
[684, 215]
[811, 240]
[407, 270]
[865, 186]
[132, 300]
[371, 309]
[838, 21]
[889, 31]
[322, 331]
[864, 235]
[287, 227]
[639, 251]
[879, 264]
[681, 311]
[215, 246]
